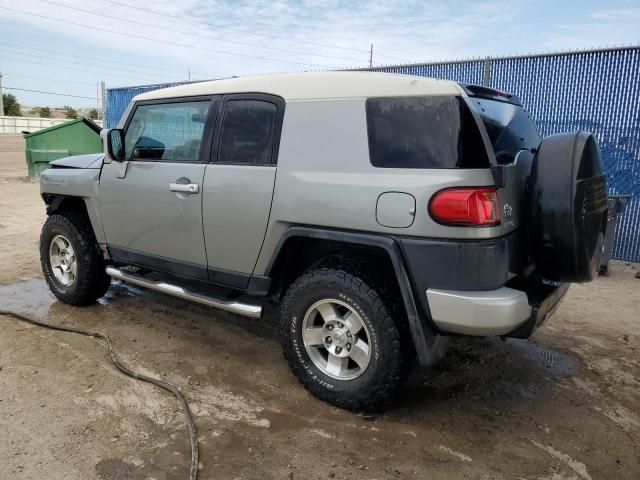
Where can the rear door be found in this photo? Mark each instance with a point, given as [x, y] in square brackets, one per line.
[514, 139]
[152, 216]
[238, 185]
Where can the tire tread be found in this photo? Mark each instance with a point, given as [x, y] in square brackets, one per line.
[92, 282]
[392, 371]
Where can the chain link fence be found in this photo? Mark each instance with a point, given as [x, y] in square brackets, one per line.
[596, 90]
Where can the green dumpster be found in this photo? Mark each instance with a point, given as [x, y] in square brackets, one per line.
[76, 137]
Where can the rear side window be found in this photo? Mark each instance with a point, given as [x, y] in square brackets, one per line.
[170, 132]
[248, 129]
[509, 127]
[423, 132]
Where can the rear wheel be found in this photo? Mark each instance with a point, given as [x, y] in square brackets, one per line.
[341, 341]
[71, 260]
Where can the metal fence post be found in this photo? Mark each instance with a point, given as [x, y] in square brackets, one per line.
[1, 99]
[486, 79]
[103, 98]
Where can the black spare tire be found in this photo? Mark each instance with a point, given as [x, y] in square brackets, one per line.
[568, 205]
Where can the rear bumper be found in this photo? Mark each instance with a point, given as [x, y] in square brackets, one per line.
[503, 311]
[463, 266]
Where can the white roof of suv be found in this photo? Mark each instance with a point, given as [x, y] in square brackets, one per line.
[315, 86]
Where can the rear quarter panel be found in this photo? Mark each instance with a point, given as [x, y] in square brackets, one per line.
[325, 178]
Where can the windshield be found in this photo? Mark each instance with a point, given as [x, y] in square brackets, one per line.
[509, 126]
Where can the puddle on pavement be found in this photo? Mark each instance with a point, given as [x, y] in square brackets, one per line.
[31, 297]
[34, 297]
[120, 289]
[552, 361]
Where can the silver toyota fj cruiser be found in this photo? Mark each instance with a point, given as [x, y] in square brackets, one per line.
[382, 213]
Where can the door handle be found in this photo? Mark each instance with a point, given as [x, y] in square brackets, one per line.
[184, 187]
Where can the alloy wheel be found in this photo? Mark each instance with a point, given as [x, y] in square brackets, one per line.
[336, 339]
[62, 259]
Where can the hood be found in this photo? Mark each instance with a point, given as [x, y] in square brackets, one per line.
[91, 160]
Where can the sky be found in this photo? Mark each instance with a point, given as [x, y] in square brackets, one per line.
[69, 46]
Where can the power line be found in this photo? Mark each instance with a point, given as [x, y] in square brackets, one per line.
[48, 93]
[102, 74]
[166, 42]
[239, 30]
[46, 79]
[75, 69]
[250, 32]
[77, 63]
[100, 59]
[219, 39]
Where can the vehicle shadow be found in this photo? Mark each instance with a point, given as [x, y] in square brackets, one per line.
[477, 372]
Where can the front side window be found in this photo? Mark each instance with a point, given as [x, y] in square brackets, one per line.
[248, 129]
[171, 132]
[423, 132]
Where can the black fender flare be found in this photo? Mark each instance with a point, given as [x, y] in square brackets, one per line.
[54, 201]
[423, 333]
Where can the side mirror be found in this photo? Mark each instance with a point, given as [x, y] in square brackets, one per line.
[115, 144]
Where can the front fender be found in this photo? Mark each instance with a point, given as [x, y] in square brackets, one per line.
[80, 183]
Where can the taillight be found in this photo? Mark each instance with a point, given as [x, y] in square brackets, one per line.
[466, 206]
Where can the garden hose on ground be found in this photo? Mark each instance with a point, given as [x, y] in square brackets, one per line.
[193, 473]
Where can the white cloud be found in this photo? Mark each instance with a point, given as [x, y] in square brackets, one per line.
[403, 30]
[602, 28]
[308, 30]
[624, 14]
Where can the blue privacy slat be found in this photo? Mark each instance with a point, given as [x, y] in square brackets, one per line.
[597, 91]
[118, 99]
[467, 72]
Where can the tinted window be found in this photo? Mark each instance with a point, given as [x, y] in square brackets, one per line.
[509, 127]
[248, 130]
[169, 131]
[423, 132]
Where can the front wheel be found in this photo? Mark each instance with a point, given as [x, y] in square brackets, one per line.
[71, 259]
[341, 341]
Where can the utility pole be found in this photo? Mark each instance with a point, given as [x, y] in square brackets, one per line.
[371, 56]
[188, 74]
[103, 98]
[1, 101]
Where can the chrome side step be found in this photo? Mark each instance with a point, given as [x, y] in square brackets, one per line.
[245, 309]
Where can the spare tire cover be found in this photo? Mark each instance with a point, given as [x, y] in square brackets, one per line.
[568, 205]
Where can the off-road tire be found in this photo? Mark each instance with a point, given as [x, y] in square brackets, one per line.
[387, 289]
[91, 281]
[377, 386]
